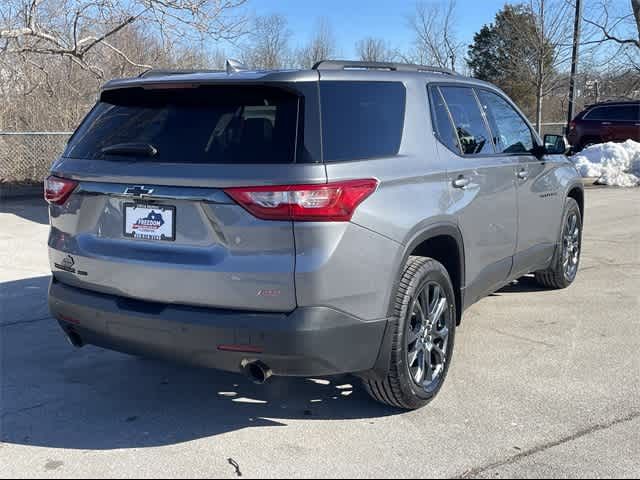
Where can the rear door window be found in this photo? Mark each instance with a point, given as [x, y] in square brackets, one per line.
[361, 119]
[511, 132]
[470, 125]
[615, 113]
[207, 124]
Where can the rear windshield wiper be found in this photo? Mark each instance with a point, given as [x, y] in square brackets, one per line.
[133, 149]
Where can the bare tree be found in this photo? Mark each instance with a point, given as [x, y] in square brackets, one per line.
[321, 46]
[77, 29]
[435, 41]
[618, 29]
[41, 91]
[268, 45]
[372, 49]
[615, 34]
[544, 44]
[553, 30]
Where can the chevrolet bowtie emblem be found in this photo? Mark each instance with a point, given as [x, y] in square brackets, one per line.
[138, 191]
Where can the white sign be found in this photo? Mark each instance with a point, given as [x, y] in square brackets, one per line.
[149, 222]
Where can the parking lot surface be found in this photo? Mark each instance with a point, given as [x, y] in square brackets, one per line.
[543, 383]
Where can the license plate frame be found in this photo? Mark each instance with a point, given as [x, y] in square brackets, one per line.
[133, 229]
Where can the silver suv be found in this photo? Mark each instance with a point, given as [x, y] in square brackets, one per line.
[304, 223]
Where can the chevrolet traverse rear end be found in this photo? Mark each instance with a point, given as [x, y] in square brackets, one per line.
[303, 223]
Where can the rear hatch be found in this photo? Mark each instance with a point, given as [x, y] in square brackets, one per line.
[148, 217]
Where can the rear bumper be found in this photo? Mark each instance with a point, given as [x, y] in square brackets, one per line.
[310, 341]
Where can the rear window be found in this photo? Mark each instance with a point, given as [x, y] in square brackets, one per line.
[619, 113]
[207, 124]
[361, 119]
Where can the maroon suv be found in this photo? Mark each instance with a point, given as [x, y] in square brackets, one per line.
[605, 122]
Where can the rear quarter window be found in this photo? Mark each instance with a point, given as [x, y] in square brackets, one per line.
[441, 120]
[361, 120]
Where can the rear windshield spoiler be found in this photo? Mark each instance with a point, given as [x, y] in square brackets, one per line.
[286, 87]
[198, 79]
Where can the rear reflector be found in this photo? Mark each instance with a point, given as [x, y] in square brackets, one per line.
[329, 202]
[57, 190]
[73, 321]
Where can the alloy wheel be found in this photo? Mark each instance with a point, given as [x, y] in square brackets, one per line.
[571, 247]
[427, 336]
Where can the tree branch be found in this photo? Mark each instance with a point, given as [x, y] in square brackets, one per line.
[124, 56]
[93, 41]
[607, 36]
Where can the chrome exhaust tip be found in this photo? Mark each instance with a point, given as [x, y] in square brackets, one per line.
[258, 372]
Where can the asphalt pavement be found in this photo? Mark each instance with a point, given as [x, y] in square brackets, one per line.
[543, 384]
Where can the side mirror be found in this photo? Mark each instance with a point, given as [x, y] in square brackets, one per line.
[555, 145]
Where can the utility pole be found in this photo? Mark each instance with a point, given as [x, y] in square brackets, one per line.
[574, 61]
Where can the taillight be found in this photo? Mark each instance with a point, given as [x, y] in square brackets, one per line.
[329, 202]
[57, 190]
[572, 125]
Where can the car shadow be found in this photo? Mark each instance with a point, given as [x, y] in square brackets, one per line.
[526, 284]
[53, 395]
[32, 209]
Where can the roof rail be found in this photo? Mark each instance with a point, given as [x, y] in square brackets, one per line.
[162, 73]
[622, 99]
[389, 66]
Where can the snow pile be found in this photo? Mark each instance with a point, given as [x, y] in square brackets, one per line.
[613, 163]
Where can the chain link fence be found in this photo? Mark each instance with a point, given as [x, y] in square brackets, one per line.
[25, 157]
[552, 128]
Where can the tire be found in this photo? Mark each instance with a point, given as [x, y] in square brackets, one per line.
[400, 389]
[588, 142]
[559, 275]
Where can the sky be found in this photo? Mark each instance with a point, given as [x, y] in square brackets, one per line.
[353, 20]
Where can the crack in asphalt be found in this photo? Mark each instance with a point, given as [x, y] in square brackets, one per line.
[524, 339]
[474, 472]
[22, 410]
[21, 322]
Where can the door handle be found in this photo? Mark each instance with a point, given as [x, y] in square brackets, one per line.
[461, 182]
[523, 174]
[605, 123]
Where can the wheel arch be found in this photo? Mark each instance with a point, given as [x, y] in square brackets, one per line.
[442, 242]
[576, 191]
